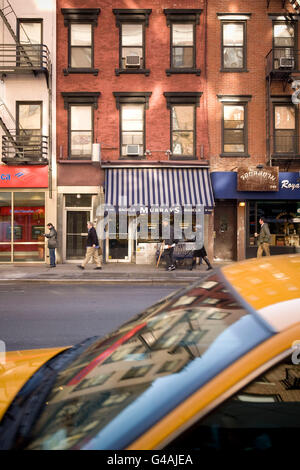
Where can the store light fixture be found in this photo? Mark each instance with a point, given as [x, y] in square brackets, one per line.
[78, 196]
[242, 204]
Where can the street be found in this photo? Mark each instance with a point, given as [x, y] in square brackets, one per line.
[45, 315]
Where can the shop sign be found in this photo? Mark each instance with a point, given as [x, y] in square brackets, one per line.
[24, 176]
[258, 179]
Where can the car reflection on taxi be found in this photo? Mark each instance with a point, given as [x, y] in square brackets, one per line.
[214, 366]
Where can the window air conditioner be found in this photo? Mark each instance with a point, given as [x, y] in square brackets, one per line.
[133, 149]
[286, 62]
[132, 61]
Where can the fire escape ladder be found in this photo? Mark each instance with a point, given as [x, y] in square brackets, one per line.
[4, 13]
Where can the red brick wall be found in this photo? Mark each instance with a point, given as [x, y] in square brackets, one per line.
[106, 37]
[252, 82]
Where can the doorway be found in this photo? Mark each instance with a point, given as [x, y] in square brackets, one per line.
[76, 233]
[225, 227]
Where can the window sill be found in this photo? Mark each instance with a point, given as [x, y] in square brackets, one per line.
[132, 157]
[183, 71]
[233, 70]
[146, 72]
[234, 155]
[182, 157]
[74, 160]
[88, 71]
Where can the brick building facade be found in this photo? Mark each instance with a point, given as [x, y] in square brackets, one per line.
[252, 62]
[171, 95]
[131, 81]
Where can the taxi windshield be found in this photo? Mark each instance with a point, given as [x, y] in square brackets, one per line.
[150, 364]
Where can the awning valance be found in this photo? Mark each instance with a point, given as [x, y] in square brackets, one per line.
[164, 187]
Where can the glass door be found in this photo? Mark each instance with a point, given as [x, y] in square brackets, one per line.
[77, 233]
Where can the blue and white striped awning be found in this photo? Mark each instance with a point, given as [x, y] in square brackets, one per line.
[163, 187]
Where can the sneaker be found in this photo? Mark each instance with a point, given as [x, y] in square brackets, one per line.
[79, 266]
[98, 267]
[171, 268]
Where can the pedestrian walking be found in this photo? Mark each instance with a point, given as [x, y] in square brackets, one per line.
[201, 253]
[92, 248]
[52, 243]
[263, 239]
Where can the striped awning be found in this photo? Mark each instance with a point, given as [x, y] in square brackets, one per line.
[163, 187]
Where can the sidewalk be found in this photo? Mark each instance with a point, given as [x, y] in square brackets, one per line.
[110, 273]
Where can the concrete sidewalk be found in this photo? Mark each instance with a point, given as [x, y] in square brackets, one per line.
[110, 273]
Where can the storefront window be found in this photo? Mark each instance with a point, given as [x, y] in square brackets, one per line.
[22, 224]
[283, 218]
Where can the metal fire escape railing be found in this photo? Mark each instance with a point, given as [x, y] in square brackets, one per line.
[282, 65]
[21, 145]
[21, 57]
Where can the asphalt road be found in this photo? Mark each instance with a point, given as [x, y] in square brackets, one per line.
[49, 315]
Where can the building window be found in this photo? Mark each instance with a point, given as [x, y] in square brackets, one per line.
[282, 218]
[132, 26]
[132, 130]
[234, 128]
[234, 125]
[233, 46]
[132, 107]
[81, 23]
[183, 123]
[30, 37]
[183, 55]
[284, 129]
[81, 46]
[182, 45]
[183, 130]
[81, 131]
[284, 34]
[22, 224]
[80, 108]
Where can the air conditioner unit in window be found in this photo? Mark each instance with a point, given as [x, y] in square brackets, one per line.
[286, 62]
[132, 61]
[133, 149]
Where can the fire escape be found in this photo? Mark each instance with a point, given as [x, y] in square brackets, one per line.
[21, 146]
[283, 66]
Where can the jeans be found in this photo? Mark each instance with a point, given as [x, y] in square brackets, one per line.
[169, 256]
[52, 256]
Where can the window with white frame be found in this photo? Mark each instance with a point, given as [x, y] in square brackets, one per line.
[132, 130]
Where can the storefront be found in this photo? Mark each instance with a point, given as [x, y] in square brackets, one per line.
[23, 202]
[280, 206]
[137, 200]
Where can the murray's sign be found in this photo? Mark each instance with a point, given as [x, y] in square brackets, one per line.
[258, 179]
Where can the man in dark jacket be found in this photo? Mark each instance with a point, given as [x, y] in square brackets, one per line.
[52, 243]
[169, 247]
[263, 239]
[92, 248]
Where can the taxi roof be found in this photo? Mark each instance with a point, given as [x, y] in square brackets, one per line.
[268, 286]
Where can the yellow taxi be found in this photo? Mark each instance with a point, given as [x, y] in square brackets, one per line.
[212, 367]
